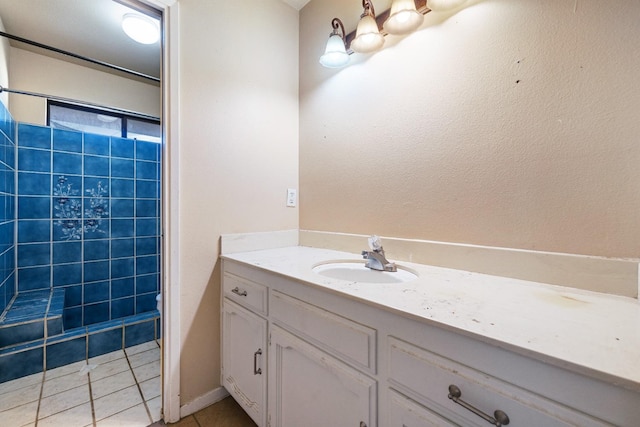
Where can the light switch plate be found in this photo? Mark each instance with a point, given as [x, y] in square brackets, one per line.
[292, 196]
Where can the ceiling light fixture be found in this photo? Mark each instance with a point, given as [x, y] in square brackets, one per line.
[335, 54]
[403, 17]
[141, 28]
[368, 37]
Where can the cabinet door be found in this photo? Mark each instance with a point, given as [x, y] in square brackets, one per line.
[308, 387]
[244, 348]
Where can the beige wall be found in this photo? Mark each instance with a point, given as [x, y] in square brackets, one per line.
[4, 66]
[511, 123]
[39, 73]
[238, 153]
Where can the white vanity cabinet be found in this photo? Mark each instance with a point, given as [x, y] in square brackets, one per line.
[244, 346]
[335, 360]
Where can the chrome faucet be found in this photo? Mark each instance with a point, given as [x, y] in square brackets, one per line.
[375, 257]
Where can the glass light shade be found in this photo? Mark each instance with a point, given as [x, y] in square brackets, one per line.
[368, 37]
[403, 17]
[438, 5]
[335, 54]
[141, 28]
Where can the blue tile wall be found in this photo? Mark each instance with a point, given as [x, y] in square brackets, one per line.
[88, 221]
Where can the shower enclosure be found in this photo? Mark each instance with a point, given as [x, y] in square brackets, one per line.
[79, 245]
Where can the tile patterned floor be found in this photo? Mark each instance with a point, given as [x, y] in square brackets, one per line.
[116, 389]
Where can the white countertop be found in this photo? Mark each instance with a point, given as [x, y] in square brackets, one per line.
[590, 333]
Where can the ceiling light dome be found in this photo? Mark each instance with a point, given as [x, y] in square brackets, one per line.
[141, 28]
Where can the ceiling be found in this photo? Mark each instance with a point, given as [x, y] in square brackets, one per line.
[85, 27]
[89, 28]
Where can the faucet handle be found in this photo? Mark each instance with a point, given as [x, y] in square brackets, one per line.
[375, 243]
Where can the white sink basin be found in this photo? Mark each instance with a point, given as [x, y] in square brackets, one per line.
[355, 271]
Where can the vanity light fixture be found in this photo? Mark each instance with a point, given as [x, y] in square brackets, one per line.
[403, 17]
[335, 54]
[438, 5]
[368, 37]
[141, 28]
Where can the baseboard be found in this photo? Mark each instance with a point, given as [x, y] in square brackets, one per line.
[203, 401]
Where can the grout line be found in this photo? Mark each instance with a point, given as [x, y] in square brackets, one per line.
[44, 376]
[93, 409]
[146, 407]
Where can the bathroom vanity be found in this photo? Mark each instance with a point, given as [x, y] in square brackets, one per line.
[448, 348]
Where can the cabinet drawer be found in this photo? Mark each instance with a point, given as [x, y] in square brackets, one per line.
[426, 377]
[351, 341]
[245, 292]
[404, 412]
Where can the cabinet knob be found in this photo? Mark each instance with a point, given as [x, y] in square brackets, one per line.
[237, 291]
[499, 419]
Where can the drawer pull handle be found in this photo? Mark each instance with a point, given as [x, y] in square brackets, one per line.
[501, 418]
[363, 424]
[256, 370]
[236, 291]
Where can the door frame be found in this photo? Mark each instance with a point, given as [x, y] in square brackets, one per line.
[170, 283]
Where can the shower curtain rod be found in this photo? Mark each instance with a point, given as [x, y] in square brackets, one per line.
[81, 103]
[75, 55]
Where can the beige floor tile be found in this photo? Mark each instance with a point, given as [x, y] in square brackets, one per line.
[64, 383]
[62, 401]
[72, 368]
[148, 371]
[155, 408]
[108, 369]
[112, 384]
[132, 417]
[111, 404]
[144, 357]
[19, 397]
[226, 413]
[109, 357]
[78, 416]
[189, 421]
[141, 347]
[151, 388]
[13, 385]
[19, 416]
